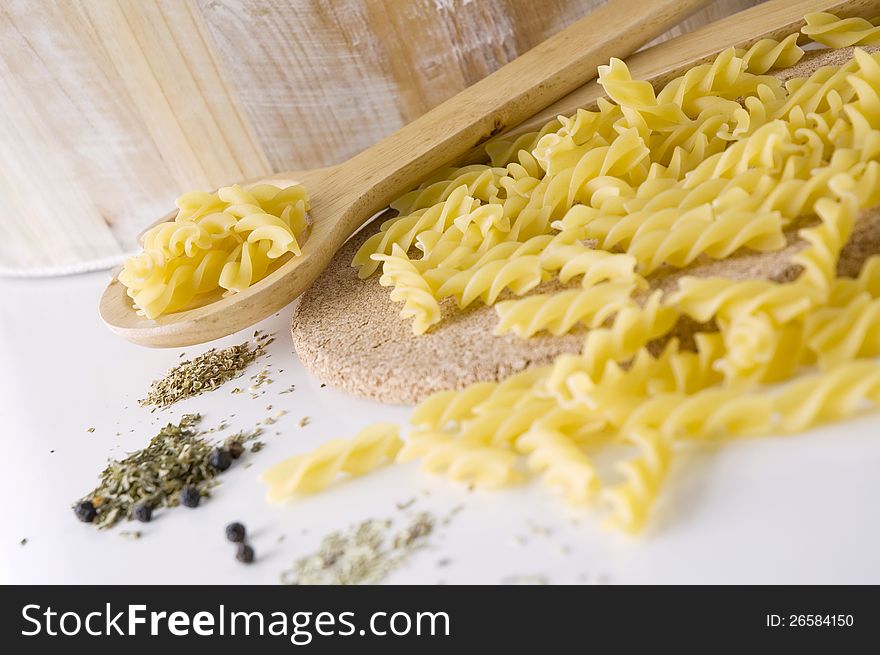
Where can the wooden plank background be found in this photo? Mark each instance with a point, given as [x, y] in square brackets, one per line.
[111, 108]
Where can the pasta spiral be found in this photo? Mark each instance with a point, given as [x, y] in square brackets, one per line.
[835, 32]
[563, 464]
[631, 500]
[474, 463]
[837, 335]
[303, 474]
[759, 350]
[446, 408]
[559, 312]
[721, 159]
[402, 231]
[632, 328]
[712, 412]
[410, 288]
[482, 183]
[226, 240]
[821, 397]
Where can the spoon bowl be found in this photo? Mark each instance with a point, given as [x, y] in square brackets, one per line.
[219, 316]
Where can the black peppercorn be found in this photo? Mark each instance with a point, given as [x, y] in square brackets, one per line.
[220, 459]
[85, 511]
[143, 512]
[190, 496]
[235, 449]
[235, 532]
[244, 553]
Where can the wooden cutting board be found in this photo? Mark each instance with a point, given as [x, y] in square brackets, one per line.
[348, 333]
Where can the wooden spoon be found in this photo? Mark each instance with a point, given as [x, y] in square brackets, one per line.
[345, 196]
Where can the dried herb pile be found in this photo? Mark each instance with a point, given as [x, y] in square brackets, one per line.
[176, 460]
[205, 372]
[365, 554]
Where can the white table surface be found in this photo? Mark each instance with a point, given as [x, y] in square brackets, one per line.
[774, 510]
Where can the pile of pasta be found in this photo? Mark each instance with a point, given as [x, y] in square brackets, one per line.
[722, 159]
[225, 240]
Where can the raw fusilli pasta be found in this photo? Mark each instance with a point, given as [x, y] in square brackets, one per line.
[303, 474]
[835, 32]
[632, 499]
[722, 159]
[563, 464]
[230, 240]
[458, 459]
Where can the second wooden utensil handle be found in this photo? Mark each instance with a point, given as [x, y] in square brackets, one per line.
[503, 99]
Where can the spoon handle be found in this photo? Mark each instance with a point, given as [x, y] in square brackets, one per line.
[500, 101]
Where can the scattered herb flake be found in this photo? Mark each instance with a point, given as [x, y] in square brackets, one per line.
[407, 504]
[204, 373]
[366, 553]
[175, 458]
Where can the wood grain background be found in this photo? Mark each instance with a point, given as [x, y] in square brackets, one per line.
[111, 108]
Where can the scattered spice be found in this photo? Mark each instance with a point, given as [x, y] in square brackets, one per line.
[363, 554]
[257, 446]
[190, 496]
[259, 380]
[90, 430]
[235, 532]
[85, 511]
[205, 373]
[130, 534]
[304, 421]
[542, 530]
[220, 459]
[175, 459]
[289, 389]
[143, 512]
[23, 542]
[244, 554]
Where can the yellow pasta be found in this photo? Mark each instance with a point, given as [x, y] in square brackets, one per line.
[839, 334]
[835, 32]
[227, 240]
[759, 350]
[304, 474]
[841, 392]
[446, 408]
[474, 463]
[721, 159]
[410, 288]
[561, 462]
[631, 500]
[559, 312]
[844, 289]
